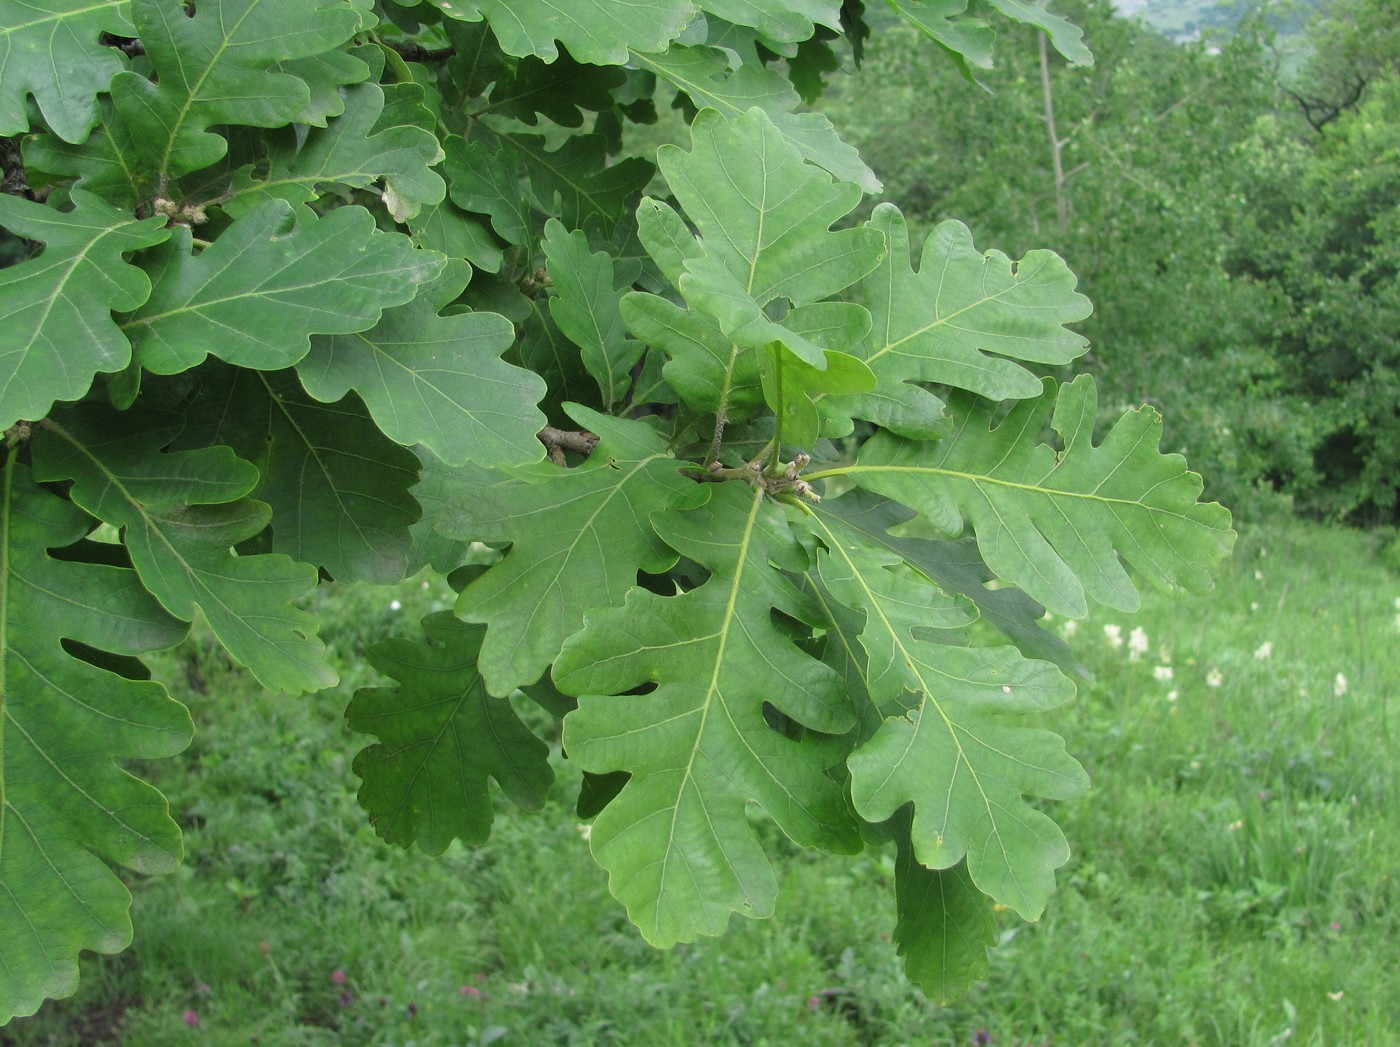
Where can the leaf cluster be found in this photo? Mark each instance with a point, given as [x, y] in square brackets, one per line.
[325, 289]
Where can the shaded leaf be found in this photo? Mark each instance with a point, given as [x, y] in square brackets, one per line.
[182, 512]
[56, 326]
[578, 537]
[440, 736]
[257, 295]
[67, 808]
[585, 305]
[676, 841]
[944, 924]
[436, 380]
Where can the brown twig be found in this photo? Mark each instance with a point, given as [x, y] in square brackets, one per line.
[557, 441]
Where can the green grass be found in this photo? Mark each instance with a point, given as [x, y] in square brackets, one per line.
[1231, 881]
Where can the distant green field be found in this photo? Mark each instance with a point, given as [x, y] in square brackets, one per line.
[1232, 880]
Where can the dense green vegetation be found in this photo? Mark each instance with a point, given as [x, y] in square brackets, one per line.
[1242, 261]
[1232, 880]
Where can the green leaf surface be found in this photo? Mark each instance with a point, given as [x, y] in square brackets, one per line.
[562, 90]
[963, 319]
[789, 385]
[1056, 523]
[213, 67]
[436, 380]
[784, 21]
[705, 367]
[52, 50]
[482, 180]
[585, 305]
[704, 75]
[676, 841]
[945, 21]
[67, 808]
[578, 537]
[56, 326]
[598, 32]
[575, 181]
[944, 924]
[961, 754]
[440, 736]
[764, 215]
[955, 567]
[258, 294]
[348, 152]
[1067, 38]
[337, 486]
[182, 512]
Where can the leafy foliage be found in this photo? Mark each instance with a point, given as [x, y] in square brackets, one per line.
[314, 294]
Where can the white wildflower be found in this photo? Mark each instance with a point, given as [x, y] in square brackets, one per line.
[1254, 605]
[1171, 696]
[585, 831]
[1339, 685]
[1162, 673]
[1114, 634]
[394, 605]
[1137, 643]
[1071, 627]
[1265, 652]
[1214, 678]
[1258, 576]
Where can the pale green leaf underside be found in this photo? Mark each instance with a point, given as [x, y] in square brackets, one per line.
[965, 319]
[946, 21]
[66, 806]
[1057, 523]
[56, 326]
[1067, 38]
[676, 842]
[440, 736]
[959, 754]
[763, 215]
[50, 49]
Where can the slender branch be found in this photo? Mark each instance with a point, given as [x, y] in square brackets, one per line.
[1057, 144]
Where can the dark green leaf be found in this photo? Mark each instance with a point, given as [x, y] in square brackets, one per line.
[440, 736]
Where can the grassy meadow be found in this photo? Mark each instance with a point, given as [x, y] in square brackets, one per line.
[1233, 878]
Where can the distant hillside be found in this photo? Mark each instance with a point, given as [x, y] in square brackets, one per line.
[1183, 20]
